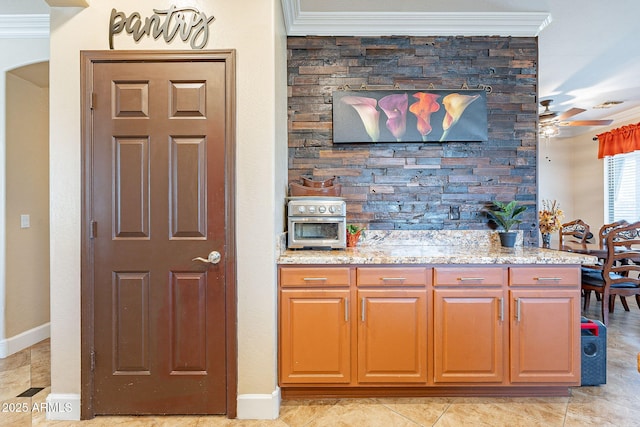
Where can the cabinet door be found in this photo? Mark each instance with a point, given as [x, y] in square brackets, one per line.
[392, 336]
[469, 335]
[314, 336]
[545, 336]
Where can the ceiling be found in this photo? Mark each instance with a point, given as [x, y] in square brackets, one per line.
[588, 49]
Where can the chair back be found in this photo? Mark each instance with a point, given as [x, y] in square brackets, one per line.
[605, 229]
[623, 255]
[577, 229]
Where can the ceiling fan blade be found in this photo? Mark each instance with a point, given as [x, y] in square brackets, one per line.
[547, 117]
[569, 113]
[586, 123]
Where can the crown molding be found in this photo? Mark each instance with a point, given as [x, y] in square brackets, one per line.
[67, 3]
[516, 24]
[24, 26]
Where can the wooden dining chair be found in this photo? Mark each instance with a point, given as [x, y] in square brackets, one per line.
[605, 229]
[578, 229]
[620, 270]
[596, 269]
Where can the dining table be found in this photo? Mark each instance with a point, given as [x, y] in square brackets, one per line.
[585, 248]
[598, 251]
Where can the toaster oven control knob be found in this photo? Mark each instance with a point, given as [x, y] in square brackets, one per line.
[322, 209]
[300, 209]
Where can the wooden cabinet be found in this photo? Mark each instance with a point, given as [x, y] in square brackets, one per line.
[315, 336]
[442, 328]
[392, 335]
[392, 324]
[470, 328]
[545, 325]
[315, 332]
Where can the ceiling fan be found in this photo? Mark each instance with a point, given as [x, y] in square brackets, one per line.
[549, 121]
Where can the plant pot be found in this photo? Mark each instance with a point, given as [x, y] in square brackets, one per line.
[352, 239]
[508, 238]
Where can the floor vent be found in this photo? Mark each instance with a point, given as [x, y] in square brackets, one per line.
[30, 392]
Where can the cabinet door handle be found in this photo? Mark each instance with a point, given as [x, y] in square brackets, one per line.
[362, 309]
[386, 279]
[501, 309]
[547, 278]
[518, 309]
[463, 279]
[315, 279]
[346, 309]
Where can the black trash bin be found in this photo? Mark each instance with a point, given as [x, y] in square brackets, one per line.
[594, 352]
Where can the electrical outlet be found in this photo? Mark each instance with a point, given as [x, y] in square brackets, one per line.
[454, 212]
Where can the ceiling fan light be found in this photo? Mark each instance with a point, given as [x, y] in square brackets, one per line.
[549, 130]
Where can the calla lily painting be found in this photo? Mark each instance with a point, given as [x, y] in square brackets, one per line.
[409, 116]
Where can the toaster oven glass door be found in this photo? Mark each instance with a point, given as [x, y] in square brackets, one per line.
[317, 232]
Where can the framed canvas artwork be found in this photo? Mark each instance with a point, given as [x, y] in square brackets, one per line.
[409, 116]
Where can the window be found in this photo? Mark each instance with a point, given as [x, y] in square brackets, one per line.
[623, 187]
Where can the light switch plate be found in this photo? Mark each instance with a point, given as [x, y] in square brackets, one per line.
[25, 221]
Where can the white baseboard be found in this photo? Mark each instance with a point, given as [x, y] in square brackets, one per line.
[63, 406]
[26, 339]
[259, 406]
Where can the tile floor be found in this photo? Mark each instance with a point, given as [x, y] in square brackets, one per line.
[613, 404]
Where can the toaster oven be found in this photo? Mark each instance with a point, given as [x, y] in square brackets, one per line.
[316, 223]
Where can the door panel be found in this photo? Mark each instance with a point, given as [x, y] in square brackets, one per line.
[392, 336]
[159, 198]
[130, 313]
[470, 335]
[314, 336]
[545, 336]
[187, 188]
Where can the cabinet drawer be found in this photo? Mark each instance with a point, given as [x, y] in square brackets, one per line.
[470, 276]
[544, 276]
[392, 276]
[314, 276]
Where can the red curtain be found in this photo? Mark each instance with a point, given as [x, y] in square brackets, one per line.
[624, 139]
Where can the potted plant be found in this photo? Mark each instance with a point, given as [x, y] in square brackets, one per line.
[353, 234]
[506, 216]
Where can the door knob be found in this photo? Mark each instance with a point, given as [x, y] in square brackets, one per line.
[213, 258]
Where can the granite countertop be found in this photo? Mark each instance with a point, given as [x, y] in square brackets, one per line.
[427, 254]
[433, 247]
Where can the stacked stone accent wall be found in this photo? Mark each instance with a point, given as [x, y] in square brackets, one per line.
[404, 186]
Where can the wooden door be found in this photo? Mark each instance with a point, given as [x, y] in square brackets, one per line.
[392, 336]
[158, 145]
[315, 338]
[545, 335]
[469, 335]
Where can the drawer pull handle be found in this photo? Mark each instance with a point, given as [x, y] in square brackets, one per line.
[315, 279]
[466, 279]
[547, 278]
[386, 279]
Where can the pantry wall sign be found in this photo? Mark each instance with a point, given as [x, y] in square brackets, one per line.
[187, 22]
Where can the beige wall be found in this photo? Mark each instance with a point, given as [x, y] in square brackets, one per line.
[15, 53]
[254, 29]
[27, 192]
[575, 176]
